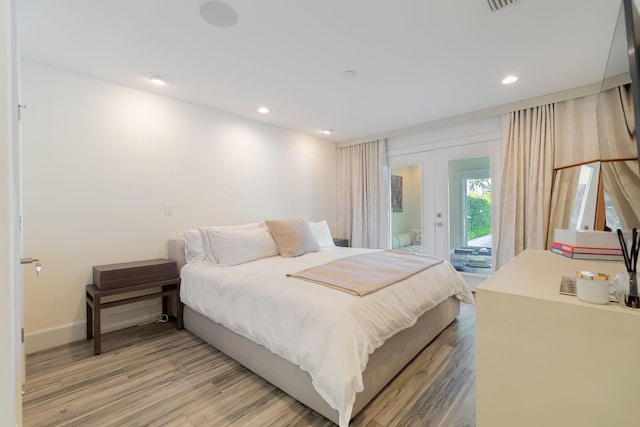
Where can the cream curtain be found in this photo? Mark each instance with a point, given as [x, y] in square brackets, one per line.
[616, 124]
[576, 132]
[364, 201]
[527, 175]
[565, 188]
[622, 183]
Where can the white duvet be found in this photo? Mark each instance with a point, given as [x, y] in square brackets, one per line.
[326, 332]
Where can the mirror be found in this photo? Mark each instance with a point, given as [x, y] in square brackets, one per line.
[596, 196]
[617, 68]
[573, 198]
[621, 182]
[604, 194]
[618, 205]
[406, 208]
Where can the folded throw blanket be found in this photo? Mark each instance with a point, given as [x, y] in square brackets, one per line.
[363, 274]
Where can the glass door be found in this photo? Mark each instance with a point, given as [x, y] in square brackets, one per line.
[470, 212]
[466, 188]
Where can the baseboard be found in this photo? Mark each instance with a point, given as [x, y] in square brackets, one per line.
[65, 334]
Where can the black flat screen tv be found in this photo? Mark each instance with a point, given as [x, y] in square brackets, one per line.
[632, 24]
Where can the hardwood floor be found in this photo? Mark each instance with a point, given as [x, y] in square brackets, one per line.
[154, 375]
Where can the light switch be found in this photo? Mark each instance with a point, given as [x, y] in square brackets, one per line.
[168, 209]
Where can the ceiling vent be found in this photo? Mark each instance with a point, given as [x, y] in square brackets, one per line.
[499, 4]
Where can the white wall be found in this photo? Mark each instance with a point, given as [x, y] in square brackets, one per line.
[101, 160]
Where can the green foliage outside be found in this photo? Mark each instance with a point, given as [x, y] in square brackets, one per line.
[478, 215]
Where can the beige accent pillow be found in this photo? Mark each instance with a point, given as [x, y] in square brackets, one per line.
[293, 237]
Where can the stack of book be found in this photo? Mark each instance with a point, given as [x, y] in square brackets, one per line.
[597, 245]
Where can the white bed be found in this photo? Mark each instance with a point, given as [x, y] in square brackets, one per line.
[328, 349]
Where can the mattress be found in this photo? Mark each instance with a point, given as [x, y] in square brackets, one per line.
[327, 333]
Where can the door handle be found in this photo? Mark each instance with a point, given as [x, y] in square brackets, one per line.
[34, 261]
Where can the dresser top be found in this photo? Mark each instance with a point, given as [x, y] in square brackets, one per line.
[537, 274]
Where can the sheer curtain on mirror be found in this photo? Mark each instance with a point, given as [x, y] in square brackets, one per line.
[621, 181]
[573, 198]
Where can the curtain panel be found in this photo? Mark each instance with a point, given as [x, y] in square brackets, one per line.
[616, 124]
[622, 181]
[576, 132]
[527, 178]
[364, 199]
[566, 185]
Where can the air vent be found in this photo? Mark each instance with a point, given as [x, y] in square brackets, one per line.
[499, 4]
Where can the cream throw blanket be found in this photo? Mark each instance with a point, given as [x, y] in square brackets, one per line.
[363, 274]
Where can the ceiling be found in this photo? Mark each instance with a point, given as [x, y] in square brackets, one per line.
[416, 61]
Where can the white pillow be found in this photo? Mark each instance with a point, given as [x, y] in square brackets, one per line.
[322, 234]
[233, 247]
[194, 250]
[207, 243]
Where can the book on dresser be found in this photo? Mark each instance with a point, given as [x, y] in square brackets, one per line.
[585, 252]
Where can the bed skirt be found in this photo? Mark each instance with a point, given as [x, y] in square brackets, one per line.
[384, 364]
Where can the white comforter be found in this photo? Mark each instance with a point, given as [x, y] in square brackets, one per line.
[326, 332]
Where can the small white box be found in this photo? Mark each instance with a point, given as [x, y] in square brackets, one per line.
[588, 238]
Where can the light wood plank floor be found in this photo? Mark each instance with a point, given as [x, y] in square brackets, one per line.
[154, 375]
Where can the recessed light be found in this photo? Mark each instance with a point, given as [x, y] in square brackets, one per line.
[263, 110]
[326, 131]
[509, 79]
[158, 80]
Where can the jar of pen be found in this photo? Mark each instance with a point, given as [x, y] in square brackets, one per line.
[625, 285]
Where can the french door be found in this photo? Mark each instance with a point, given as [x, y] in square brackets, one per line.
[448, 197]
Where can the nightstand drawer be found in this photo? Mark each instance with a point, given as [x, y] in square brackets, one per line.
[113, 276]
[341, 242]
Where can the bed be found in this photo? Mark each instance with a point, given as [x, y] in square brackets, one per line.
[293, 332]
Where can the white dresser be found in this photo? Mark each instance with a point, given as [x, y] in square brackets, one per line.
[544, 359]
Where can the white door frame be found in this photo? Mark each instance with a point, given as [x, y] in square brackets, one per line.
[11, 362]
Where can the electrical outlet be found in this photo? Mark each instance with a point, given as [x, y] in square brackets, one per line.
[168, 209]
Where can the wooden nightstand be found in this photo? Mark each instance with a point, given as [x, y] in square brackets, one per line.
[341, 242]
[118, 279]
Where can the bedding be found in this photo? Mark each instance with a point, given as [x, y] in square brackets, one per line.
[232, 247]
[327, 333]
[207, 244]
[366, 273]
[322, 234]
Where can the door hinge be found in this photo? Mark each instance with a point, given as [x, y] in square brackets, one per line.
[22, 335]
[20, 107]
